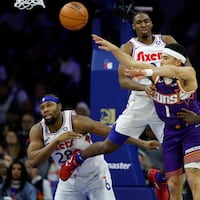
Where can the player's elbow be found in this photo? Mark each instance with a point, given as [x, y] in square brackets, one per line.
[32, 163]
[32, 160]
[124, 83]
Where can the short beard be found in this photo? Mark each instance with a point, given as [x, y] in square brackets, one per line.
[145, 36]
[51, 122]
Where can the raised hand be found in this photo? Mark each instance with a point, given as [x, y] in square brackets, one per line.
[104, 44]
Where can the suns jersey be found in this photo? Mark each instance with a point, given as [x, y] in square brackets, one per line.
[148, 53]
[64, 150]
[170, 98]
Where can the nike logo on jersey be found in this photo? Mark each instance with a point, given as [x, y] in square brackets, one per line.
[65, 128]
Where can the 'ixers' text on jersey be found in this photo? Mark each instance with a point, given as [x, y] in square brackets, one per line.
[148, 53]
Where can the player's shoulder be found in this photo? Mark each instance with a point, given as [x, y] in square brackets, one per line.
[36, 131]
[168, 39]
[127, 47]
[36, 127]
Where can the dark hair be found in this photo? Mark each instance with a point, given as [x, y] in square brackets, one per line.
[23, 179]
[140, 12]
[178, 48]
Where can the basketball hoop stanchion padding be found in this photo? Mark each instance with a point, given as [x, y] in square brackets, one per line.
[28, 4]
[107, 101]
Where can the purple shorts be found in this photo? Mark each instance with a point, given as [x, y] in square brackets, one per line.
[180, 146]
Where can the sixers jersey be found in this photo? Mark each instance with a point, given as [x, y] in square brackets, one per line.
[170, 98]
[64, 150]
[148, 53]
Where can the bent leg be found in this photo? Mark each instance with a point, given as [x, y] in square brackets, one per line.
[103, 147]
[109, 145]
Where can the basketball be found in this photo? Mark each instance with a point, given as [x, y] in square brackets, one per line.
[73, 16]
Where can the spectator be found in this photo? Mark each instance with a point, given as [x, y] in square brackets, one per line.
[70, 77]
[145, 163]
[5, 162]
[82, 108]
[13, 145]
[42, 185]
[27, 121]
[17, 185]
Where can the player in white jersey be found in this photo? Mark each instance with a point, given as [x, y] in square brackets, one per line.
[140, 110]
[61, 133]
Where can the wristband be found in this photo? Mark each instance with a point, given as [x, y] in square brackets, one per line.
[149, 72]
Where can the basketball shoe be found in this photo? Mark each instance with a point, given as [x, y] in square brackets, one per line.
[69, 166]
[160, 188]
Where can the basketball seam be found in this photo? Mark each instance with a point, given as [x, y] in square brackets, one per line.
[78, 11]
[73, 18]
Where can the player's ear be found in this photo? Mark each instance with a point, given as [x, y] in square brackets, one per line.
[178, 62]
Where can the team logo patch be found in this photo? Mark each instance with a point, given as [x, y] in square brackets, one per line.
[108, 116]
[65, 128]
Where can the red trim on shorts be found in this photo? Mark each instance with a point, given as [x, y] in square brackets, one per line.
[174, 173]
[192, 157]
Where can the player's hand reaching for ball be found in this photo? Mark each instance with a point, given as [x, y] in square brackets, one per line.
[69, 135]
[104, 44]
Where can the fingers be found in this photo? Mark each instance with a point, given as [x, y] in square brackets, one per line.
[154, 144]
[70, 135]
[74, 135]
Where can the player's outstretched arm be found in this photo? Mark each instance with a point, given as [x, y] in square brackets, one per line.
[122, 57]
[85, 124]
[150, 144]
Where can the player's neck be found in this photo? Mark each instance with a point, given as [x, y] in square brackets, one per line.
[146, 40]
[56, 126]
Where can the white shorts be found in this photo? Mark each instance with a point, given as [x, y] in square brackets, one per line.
[93, 187]
[139, 113]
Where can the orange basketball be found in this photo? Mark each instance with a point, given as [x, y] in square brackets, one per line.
[73, 16]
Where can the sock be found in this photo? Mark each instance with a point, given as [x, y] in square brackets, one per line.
[79, 158]
[160, 178]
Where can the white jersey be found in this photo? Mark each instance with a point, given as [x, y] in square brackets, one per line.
[91, 179]
[140, 110]
[65, 149]
[148, 53]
